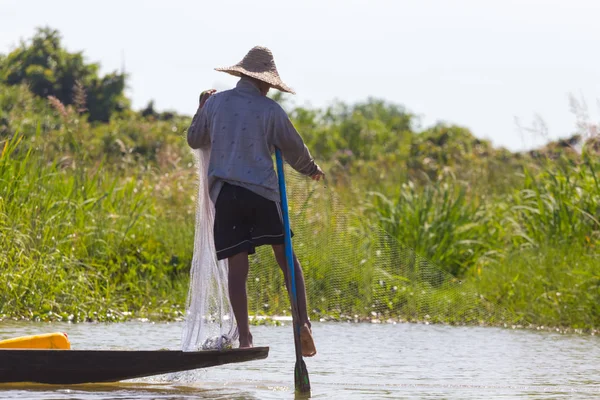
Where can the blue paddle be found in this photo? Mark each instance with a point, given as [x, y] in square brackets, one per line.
[301, 381]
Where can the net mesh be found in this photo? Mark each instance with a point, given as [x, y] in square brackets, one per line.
[353, 272]
[209, 322]
[358, 272]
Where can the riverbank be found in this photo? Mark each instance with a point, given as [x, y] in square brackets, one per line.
[440, 228]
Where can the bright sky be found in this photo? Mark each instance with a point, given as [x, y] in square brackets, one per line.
[477, 63]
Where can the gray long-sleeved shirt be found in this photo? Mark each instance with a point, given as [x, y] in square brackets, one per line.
[242, 127]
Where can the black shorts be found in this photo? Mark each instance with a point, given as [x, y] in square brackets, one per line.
[245, 220]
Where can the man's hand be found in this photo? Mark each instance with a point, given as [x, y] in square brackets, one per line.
[318, 175]
[205, 95]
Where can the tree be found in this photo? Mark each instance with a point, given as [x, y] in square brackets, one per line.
[50, 70]
[364, 131]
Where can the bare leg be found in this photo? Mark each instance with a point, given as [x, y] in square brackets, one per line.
[238, 274]
[279, 251]
[306, 339]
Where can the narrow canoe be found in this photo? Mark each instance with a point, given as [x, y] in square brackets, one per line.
[94, 366]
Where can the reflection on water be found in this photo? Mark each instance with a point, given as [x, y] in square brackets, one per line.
[354, 361]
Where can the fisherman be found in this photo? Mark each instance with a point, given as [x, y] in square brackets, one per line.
[242, 126]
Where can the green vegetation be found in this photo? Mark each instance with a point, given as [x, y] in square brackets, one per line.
[97, 211]
[82, 219]
[49, 70]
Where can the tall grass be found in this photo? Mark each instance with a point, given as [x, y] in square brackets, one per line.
[79, 245]
[558, 206]
[531, 251]
[96, 222]
[548, 286]
[441, 222]
[355, 271]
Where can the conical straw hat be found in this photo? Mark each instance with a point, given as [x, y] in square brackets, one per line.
[259, 64]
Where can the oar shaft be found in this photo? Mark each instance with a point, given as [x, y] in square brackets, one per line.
[289, 253]
[301, 380]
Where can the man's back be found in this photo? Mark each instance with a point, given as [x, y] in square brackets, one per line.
[241, 126]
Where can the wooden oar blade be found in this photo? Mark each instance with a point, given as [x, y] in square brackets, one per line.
[301, 380]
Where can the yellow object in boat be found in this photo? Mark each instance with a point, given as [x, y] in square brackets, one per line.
[57, 340]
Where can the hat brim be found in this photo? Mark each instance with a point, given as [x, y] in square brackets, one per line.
[274, 81]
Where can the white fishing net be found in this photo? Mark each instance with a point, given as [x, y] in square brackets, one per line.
[209, 321]
[354, 271]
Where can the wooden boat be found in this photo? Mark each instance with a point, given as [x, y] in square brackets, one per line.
[94, 366]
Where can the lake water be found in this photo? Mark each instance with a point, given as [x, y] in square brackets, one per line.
[355, 361]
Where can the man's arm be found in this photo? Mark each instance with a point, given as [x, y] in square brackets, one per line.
[286, 138]
[198, 134]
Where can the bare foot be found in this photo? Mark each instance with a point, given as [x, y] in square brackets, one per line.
[307, 342]
[246, 341]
